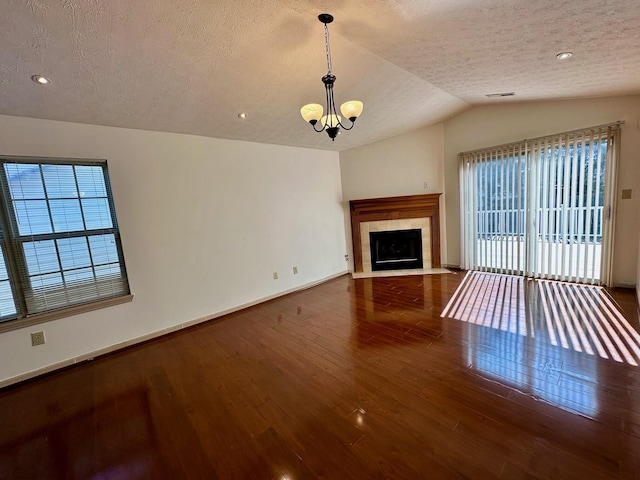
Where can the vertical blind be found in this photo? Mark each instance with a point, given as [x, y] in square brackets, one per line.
[541, 207]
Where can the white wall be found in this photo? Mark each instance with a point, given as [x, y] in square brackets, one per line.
[485, 126]
[204, 224]
[394, 167]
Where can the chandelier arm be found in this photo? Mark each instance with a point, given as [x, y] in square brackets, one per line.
[331, 106]
[329, 102]
[346, 128]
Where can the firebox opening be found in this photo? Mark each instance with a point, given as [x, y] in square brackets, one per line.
[396, 250]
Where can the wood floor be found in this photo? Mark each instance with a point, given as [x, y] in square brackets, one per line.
[353, 379]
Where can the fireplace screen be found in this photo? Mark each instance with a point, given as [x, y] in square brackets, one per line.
[396, 250]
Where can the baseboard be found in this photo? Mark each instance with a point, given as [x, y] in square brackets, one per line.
[150, 336]
[451, 266]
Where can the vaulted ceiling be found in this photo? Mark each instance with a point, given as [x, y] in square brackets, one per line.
[190, 66]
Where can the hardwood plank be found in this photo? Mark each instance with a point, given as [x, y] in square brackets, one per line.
[350, 379]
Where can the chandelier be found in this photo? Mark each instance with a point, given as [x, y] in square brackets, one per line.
[313, 112]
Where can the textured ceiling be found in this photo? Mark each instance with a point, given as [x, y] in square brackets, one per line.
[190, 66]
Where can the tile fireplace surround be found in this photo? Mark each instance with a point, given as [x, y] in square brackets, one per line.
[395, 213]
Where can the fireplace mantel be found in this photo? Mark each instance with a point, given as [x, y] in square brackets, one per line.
[396, 208]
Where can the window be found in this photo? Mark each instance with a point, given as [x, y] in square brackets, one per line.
[59, 236]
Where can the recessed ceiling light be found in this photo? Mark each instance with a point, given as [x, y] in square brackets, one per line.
[564, 55]
[242, 115]
[41, 80]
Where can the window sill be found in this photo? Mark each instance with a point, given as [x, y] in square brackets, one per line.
[62, 313]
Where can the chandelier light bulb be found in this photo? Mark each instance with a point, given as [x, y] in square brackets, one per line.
[330, 121]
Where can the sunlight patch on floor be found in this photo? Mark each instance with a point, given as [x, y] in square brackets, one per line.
[582, 318]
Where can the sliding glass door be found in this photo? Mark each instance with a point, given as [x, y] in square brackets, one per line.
[542, 207]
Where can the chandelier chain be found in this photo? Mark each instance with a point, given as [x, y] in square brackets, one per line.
[328, 48]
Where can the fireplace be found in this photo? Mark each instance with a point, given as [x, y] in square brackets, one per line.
[396, 249]
[395, 213]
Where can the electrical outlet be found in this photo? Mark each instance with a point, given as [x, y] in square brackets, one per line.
[295, 270]
[37, 338]
[275, 275]
[626, 194]
[346, 258]
[426, 184]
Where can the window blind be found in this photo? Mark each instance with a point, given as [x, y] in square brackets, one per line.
[541, 207]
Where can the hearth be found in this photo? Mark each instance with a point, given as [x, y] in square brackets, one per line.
[396, 249]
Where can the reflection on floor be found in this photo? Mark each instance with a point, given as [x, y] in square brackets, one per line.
[580, 317]
[133, 427]
[495, 301]
[535, 326]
